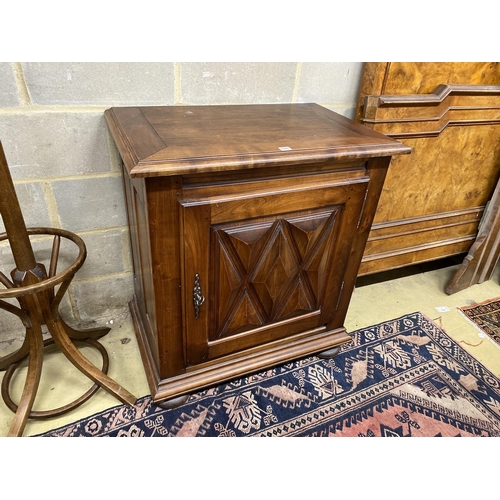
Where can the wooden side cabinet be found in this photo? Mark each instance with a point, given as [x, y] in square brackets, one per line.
[247, 225]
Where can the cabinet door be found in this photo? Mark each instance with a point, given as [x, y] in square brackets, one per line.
[261, 267]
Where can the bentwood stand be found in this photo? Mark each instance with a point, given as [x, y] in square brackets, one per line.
[35, 290]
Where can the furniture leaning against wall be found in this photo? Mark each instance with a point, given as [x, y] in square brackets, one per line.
[444, 199]
[39, 293]
[247, 226]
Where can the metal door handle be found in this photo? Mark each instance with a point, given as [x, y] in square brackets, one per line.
[198, 298]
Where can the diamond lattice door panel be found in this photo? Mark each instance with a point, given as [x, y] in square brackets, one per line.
[266, 277]
[271, 271]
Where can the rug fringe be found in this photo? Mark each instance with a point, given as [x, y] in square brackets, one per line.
[481, 331]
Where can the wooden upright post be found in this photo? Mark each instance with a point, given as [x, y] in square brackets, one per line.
[13, 219]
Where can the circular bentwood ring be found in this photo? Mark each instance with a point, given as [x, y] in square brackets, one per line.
[50, 282]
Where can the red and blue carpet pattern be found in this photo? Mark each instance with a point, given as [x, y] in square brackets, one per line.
[402, 378]
[486, 316]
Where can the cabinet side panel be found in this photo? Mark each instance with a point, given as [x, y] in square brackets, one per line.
[377, 169]
[141, 258]
[164, 237]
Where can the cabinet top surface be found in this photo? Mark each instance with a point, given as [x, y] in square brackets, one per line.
[175, 140]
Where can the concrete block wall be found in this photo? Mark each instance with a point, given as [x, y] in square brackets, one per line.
[64, 163]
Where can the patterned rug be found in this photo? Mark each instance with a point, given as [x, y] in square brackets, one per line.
[402, 378]
[486, 316]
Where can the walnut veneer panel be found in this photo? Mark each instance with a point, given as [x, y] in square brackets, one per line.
[448, 173]
[432, 200]
[403, 78]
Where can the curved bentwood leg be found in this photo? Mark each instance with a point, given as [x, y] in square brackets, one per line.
[55, 412]
[61, 338]
[35, 340]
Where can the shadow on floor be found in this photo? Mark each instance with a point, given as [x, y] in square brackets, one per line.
[409, 271]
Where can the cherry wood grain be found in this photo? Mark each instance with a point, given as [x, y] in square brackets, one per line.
[245, 255]
[218, 138]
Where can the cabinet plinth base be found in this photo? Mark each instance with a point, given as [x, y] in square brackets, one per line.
[174, 391]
